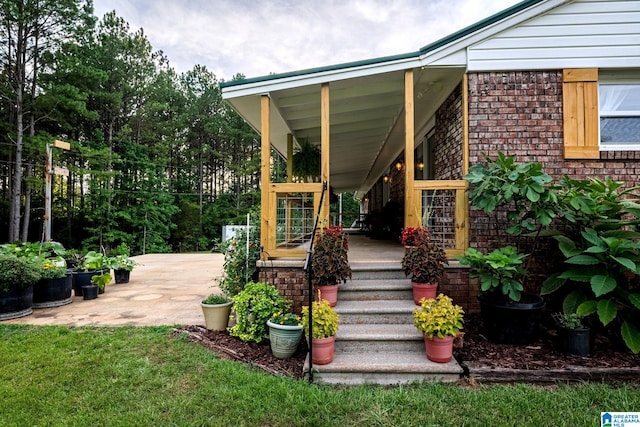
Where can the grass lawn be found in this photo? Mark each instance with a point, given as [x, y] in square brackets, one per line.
[125, 376]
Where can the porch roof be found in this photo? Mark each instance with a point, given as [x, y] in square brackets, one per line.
[367, 99]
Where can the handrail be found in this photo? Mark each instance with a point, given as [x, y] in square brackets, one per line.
[309, 269]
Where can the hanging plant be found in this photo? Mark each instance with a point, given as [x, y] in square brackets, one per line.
[306, 161]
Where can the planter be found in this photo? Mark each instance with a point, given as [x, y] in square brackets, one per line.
[90, 292]
[508, 322]
[329, 293]
[423, 290]
[121, 276]
[439, 350]
[16, 303]
[216, 316]
[83, 278]
[576, 342]
[284, 339]
[52, 292]
[323, 350]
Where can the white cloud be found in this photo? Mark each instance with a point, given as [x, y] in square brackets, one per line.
[256, 38]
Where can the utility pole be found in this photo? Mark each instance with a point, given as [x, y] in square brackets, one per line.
[49, 171]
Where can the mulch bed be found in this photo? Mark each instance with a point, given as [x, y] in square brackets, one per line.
[482, 360]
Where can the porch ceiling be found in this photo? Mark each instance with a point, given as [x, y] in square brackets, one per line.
[366, 119]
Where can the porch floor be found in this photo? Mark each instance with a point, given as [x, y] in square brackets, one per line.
[363, 249]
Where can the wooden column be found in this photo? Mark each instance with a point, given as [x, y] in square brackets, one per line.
[289, 157]
[324, 147]
[265, 170]
[412, 218]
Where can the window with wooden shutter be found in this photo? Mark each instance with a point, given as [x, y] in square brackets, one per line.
[580, 104]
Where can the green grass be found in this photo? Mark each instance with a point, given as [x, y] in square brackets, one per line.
[124, 376]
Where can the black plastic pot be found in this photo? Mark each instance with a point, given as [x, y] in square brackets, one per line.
[508, 322]
[89, 292]
[576, 342]
[83, 278]
[52, 292]
[16, 303]
[121, 276]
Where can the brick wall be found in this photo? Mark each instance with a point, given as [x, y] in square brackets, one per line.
[449, 137]
[291, 282]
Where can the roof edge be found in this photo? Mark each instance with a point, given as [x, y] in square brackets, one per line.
[322, 69]
[479, 25]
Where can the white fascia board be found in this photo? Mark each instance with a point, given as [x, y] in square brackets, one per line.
[449, 54]
[264, 87]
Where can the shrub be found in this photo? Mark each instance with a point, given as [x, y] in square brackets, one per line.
[215, 299]
[325, 319]
[253, 306]
[18, 272]
[438, 317]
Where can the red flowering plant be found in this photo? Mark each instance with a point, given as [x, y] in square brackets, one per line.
[413, 236]
[329, 259]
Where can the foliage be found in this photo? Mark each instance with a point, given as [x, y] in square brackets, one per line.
[253, 306]
[48, 255]
[18, 272]
[287, 319]
[499, 272]
[92, 261]
[329, 260]
[325, 319]
[101, 280]
[237, 270]
[120, 262]
[522, 188]
[412, 236]
[121, 249]
[569, 320]
[425, 261]
[438, 317]
[214, 299]
[306, 161]
[52, 269]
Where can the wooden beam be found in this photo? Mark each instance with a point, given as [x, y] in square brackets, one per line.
[325, 129]
[265, 170]
[412, 218]
[289, 157]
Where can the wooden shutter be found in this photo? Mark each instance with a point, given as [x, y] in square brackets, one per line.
[580, 104]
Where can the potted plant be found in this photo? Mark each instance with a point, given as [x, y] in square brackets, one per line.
[17, 277]
[574, 338]
[122, 265]
[440, 321]
[54, 287]
[92, 264]
[253, 306]
[306, 162]
[411, 236]
[324, 328]
[424, 262]
[98, 282]
[216, 309]
[329, 263]
[285, 331]
[509, 316]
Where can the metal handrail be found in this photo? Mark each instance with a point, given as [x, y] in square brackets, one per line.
[309, 269]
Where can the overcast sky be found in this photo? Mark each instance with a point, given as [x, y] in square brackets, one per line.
[256, 37]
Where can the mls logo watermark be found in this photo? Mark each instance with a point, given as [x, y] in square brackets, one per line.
[620, 419]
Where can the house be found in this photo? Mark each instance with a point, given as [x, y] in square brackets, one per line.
[553, 81]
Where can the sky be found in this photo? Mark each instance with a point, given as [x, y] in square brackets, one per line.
[259, 37]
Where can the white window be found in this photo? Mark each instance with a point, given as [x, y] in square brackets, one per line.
[619, 108]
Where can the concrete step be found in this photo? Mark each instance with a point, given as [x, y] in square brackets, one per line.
[376, 270]
[375, 289]
[386, 368]
[378, 338]
[375, 312]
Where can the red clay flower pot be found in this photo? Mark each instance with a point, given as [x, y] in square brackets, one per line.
[323, 350]
[329, 293]
[439, 349]
[423, 290]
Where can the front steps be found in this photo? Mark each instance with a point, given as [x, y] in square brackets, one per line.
[376, 341]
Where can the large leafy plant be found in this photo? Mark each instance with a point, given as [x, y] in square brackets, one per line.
[500, 272]
[253, 306]
[325, 319]
[438, 317]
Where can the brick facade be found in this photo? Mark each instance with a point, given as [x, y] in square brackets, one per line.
[449, 138]
[290, 281]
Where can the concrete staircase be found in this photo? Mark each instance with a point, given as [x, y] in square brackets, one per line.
[376, 341]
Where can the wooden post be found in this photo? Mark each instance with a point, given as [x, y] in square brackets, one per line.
[265, 170]
[324, 147]
[412, 218]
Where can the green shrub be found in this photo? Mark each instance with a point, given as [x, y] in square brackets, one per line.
[18, 272]
[253, 306]
[215, 299]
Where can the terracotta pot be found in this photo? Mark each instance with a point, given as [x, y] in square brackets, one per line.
[329, 293]
[323, 350]
[216, 316]
[423, 290]
[439, 349]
